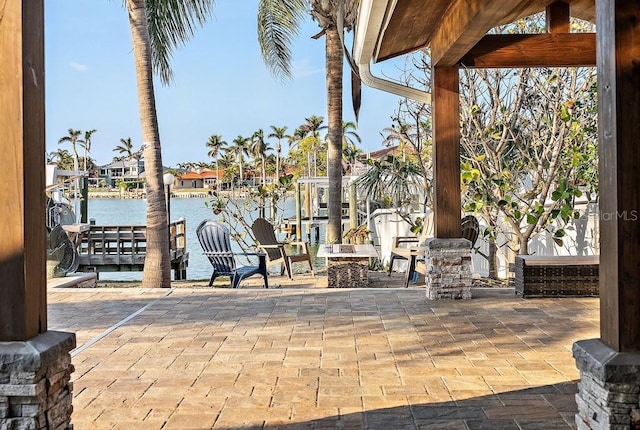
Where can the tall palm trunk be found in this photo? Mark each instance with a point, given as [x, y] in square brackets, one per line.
[334, 112]
[157, 268]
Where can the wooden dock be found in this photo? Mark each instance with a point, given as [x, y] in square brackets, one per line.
[116, 248]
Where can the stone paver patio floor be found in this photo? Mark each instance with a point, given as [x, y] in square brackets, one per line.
[317, 358]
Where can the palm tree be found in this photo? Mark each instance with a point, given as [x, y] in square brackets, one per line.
[157, 28]
[259, 150]
[312, 129]
[278, 24]
[350, 155]
[313, 126]
[350, 150]
[295, 140]
[306, 138]
[72, 138]
[139, 154]
[349, 134]
[185, 166]
[215, 144]
[202, 165]
[63, 159]
[86, 144]
[227, 161]
[400, 133]
[240, 148]
[278, 133]
[125, 147]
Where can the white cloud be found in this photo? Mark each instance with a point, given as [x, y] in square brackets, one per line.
[79, 67]
[304, 68]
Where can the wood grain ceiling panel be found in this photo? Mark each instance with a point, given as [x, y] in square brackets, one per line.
[452, 27]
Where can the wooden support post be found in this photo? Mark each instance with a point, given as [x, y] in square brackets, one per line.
[619, 133]
[23, 305]
[558, 17]
[446, 152]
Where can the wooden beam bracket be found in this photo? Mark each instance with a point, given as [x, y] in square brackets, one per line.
[558, 17]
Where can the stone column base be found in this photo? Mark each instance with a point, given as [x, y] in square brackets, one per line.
[35, 387]
[609, 389]
[448, 269]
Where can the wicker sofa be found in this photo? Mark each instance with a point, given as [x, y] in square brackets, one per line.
[556, 276]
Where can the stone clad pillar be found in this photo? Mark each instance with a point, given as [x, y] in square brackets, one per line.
[35, 387]
[448, 274]
[609, 390]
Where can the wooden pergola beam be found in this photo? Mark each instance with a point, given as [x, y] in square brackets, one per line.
[23, 288]
[533, 50]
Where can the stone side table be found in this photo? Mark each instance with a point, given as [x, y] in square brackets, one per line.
[348, 265]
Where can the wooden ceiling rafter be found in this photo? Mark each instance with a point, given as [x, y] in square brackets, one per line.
[557, 48]
[451, 29]
[558, 17]
[463, 25]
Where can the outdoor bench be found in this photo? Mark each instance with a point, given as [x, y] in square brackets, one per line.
[556, 276]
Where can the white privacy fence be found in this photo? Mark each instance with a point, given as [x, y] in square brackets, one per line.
[582, 238]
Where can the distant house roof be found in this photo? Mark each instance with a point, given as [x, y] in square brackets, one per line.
[190, 175]
[392, 150]
[381, 152]
[123, 163]
[211, 174]
[205, 174]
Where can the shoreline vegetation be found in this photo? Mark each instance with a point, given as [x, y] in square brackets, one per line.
[175, 194]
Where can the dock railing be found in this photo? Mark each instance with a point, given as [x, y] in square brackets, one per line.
[117, 248]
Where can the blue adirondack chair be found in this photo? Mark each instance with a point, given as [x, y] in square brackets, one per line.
[214, 239]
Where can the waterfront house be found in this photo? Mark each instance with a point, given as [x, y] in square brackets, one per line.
[124, 170]
[204, 179]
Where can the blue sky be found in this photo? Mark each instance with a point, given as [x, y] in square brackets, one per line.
[221, 84]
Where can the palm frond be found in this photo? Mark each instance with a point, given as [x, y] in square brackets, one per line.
[278, 23]
[389, 178]
[171, 24]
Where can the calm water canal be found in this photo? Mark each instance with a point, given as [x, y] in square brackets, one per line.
[193, 210]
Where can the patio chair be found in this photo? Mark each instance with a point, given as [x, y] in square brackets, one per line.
[470, 229]
[214, 239]
[276, 251]
[400, 249]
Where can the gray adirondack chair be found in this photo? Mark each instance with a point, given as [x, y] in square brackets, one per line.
[215, 241]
